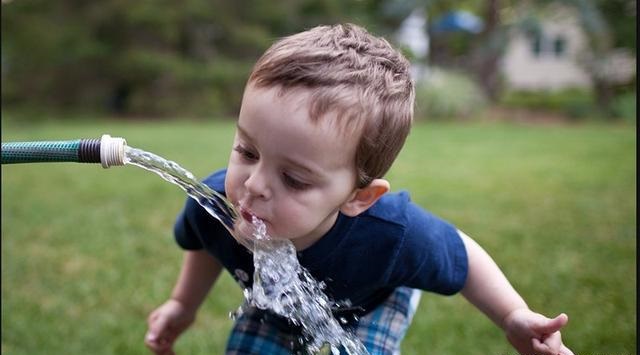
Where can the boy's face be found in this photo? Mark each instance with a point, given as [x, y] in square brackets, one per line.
[292, 173]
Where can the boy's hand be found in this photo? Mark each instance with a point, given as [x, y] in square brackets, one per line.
[532, 333]
[165, 324]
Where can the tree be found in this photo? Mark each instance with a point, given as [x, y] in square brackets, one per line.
[148, 57]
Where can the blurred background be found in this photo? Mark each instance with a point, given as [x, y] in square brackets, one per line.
[525, 138]
[159, 59]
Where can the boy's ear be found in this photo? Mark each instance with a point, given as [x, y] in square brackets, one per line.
[362, 198]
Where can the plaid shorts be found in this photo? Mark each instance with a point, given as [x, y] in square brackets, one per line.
[381, 330]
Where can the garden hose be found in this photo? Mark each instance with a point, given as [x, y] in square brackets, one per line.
[107, 150]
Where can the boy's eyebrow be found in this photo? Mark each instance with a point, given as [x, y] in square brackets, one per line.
[243, 132]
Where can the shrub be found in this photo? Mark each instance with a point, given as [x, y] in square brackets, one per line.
[192, 88]
[574, 103]
[624, 106]
[446, 94]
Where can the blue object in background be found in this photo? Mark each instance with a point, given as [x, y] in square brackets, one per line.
[458, 21]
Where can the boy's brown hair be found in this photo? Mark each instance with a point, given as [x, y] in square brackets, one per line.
[360, 77]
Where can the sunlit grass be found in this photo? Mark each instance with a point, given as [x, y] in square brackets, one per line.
[87, 253]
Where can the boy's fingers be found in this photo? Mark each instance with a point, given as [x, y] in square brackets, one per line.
[158, 327]
[155, 347]
[545, 347]
[539, 347]
[158, 337]
[551, 344]
[550, 326]
[161, 340]
[159, 346]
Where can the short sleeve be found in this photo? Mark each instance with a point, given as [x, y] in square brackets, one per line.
[183, 230]
[194, 224]
[432, 256]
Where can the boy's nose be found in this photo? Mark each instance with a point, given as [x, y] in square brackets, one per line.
[257, 185]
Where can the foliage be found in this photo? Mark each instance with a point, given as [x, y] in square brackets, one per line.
[147, 57]
[448, 94]
[624, 106]
[574, 103]
[87, 253]
[165, 57]
[621, 16]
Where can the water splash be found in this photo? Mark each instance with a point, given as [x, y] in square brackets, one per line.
[217, 206]
[280, 283]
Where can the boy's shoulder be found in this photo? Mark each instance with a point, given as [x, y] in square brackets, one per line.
[397, 211]
[391, 207]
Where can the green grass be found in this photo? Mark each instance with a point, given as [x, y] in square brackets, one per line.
[87, 253]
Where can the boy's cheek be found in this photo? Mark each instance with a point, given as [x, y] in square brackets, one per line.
[230, 187]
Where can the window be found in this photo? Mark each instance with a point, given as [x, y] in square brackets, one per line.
[559, 46]
[542, 45]
[536, 44]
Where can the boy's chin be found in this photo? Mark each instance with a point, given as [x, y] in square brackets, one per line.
[247, 234]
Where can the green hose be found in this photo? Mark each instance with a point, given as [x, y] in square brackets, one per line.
[40, 152]
[106, 150]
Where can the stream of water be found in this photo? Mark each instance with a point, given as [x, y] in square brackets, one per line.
[280, 283]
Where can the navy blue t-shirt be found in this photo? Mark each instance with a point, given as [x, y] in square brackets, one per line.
[361, 259]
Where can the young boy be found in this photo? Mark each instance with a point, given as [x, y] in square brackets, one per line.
[324, 114]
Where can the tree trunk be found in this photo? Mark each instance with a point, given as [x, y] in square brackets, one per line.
[488, 52]
[604, 94]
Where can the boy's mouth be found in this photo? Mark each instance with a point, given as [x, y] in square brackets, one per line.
[246, 214]
[250, 230]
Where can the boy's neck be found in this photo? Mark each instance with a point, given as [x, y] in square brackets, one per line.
[305, 242]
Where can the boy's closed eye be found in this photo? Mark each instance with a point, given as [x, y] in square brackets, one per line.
[246, 153]
[294, 183]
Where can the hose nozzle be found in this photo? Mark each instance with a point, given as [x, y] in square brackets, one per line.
[111, 151]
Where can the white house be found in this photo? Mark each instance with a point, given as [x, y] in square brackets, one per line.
[555, 58]
[550, 59]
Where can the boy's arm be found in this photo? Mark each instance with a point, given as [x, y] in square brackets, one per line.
[489, 290]
[199, 271]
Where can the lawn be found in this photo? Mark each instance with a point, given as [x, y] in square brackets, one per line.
[87, 253]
